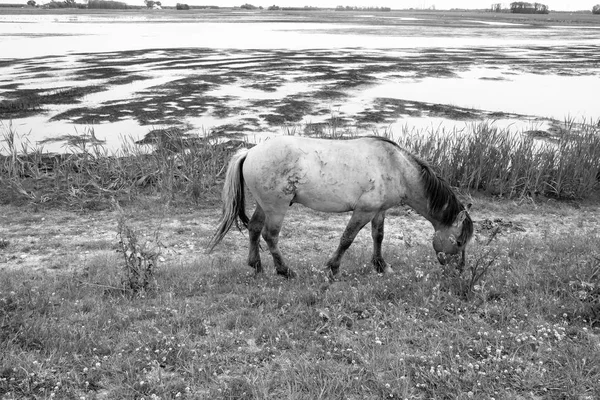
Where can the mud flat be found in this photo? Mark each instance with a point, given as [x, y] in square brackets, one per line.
[251, 75]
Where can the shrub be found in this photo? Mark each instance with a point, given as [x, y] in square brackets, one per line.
[63, 4]
[181, 6]
[140, 259]
[107, 4]
[522, 7]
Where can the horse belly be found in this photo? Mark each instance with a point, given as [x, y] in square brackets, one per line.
[335, 189]
[315, 197]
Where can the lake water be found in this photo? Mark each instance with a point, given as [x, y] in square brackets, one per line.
[534, 73]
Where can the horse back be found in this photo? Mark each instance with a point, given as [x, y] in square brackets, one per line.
[327, 175]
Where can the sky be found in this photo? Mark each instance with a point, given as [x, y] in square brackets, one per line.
[554, 5]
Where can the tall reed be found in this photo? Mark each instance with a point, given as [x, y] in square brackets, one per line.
[87, 174]
[500, 162]
[177, 165]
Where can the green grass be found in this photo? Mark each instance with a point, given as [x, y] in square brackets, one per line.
[209, 329]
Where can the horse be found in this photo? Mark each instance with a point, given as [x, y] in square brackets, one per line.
[365, 175]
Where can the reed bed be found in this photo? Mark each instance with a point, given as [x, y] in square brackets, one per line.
[170, 165]
[499, 162]
[176, 166]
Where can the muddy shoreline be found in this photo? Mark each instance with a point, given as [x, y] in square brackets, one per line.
[275, 88]
[254, 88]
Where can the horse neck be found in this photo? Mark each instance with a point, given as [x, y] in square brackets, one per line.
[420, 204]
[418, 198]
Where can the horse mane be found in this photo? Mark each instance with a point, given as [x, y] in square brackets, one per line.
[442, 200]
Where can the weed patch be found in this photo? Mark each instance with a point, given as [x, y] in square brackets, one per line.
[140, 260]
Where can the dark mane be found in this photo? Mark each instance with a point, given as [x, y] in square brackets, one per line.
[443, 202]
[384, 139]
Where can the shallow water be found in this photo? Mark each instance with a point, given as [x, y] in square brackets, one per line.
[535, 73]
[481, 88]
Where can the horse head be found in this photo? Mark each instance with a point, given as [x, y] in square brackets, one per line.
[449, 242]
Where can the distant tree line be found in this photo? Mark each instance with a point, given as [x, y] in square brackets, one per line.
[349, 8]
[250, 7]
[64, 4]
[92, 4]
[305, 8]
[107, 5]
[497, 7]
[152, 3]
[522, 7]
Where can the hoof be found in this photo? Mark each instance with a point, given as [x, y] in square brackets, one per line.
[381, 267]
[256, 266]
[289, 273]
[330, 273]
[325, 286]
[258, 274]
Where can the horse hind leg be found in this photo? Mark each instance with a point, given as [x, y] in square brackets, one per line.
[270, 233]
[377, 234]
[255, 226]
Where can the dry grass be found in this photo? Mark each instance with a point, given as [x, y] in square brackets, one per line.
[88, 176]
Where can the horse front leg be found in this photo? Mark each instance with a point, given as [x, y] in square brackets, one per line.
[358, 220]
[255, 227]
[270, 233]
[377, 234]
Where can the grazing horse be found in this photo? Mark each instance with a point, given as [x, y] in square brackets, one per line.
[366, 175]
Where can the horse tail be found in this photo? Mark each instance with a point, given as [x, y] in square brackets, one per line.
[234, 204]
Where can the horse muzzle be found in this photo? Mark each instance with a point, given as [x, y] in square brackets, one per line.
[457, 259]
[442, 258]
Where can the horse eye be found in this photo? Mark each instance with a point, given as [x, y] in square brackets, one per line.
[459, 243]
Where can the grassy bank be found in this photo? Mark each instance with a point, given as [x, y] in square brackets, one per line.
[167, 163]
[181, 167]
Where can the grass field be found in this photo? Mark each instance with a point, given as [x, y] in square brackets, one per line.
[206, 328]
[522, 322]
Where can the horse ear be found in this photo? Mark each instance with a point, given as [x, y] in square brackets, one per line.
[452, 239]
[461, 217]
